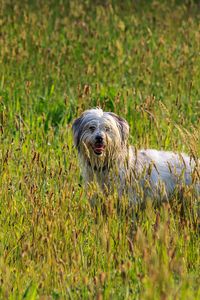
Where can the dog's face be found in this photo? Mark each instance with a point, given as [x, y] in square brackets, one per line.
[100, 134]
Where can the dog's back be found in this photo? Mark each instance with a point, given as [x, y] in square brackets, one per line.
[166, 168]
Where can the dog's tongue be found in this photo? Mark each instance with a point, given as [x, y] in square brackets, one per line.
[98, 148]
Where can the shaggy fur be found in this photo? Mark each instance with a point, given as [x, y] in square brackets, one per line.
[102, 142]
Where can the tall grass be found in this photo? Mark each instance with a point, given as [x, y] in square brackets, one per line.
[139, 59]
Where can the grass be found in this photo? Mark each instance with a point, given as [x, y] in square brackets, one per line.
[139, 59]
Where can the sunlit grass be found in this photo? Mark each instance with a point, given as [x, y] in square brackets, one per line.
[140, 60]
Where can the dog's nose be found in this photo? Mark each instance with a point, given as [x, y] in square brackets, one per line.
[99, 138]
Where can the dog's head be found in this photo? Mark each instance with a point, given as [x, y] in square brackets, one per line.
[100, 133]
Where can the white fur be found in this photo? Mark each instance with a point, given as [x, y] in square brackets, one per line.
[138, 173]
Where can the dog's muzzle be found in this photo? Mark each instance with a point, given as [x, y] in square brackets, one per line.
[99, 145]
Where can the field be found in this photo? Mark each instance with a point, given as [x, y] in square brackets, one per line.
[139, 59]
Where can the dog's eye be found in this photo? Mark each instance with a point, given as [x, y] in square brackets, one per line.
[92, 128]
[107, 129]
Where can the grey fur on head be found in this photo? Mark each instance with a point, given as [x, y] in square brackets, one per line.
[105, 157]
[89, 115]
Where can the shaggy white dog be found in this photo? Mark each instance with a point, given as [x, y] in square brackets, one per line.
[102, 142]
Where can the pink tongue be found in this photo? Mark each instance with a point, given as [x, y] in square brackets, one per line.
[98, 149]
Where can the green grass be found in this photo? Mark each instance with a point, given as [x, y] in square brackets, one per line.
[139, 59]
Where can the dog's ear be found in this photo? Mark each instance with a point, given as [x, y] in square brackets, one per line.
[123, 125]
[76, 128]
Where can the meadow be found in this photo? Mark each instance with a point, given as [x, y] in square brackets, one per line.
[139, 59]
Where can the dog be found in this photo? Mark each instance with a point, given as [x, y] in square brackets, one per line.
[106, 158]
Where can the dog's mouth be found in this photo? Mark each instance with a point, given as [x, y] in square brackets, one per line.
[98, 148]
